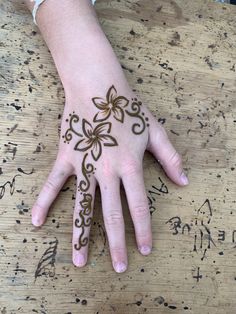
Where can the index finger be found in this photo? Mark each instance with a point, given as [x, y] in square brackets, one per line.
[59, 174]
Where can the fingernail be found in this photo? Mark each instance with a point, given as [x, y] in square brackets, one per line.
[145, 249]
[36, 222]
[80, 260]
[184, 179]
[120, 267]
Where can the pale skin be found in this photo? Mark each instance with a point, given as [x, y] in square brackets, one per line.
[88, 67]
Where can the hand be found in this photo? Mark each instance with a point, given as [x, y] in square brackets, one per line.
[103, 142]
[104, 133]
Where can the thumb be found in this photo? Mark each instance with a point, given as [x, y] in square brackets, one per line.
[163, 150]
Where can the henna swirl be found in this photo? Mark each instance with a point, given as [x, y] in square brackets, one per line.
[87, 169]
[74, 118]
[137, 128]
[81, 241]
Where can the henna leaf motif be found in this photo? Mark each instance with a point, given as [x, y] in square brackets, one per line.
[113, 104]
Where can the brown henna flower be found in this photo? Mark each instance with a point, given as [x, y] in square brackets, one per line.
[112, 104]
[94, 138]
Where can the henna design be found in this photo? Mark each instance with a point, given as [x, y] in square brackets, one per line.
[136, 108]
[74, 118]
[94, 138]
[85, 220]
[87, 169]
[112, 104]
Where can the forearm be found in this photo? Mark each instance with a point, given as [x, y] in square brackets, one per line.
[80, 49]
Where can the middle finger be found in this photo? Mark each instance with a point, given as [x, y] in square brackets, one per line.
[114, 221]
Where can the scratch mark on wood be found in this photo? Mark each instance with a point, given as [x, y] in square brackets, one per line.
[46, 265]
[11, 184]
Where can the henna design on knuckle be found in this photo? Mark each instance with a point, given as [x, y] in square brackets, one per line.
[94, 138]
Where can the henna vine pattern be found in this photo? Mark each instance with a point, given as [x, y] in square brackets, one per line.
[93, 140]
[84, 220]
[87, 169]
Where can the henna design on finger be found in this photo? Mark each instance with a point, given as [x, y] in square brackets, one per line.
[87, 169]
[84, 220]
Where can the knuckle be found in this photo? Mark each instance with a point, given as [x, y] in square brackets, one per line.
[140, 211]
[118, 252]
[131, 166]
[143, 237]
[50, 186]
[107, 169]
[114, 217]
[175, 159]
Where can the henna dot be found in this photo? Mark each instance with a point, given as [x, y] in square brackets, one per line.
[67, 120]
[70, 114]
[148, 125]
[142, 113]
[146, 119]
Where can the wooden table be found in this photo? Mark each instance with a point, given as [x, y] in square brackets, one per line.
[180, 57]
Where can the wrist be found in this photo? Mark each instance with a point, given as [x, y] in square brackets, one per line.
[82, 54]
[90, 68]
